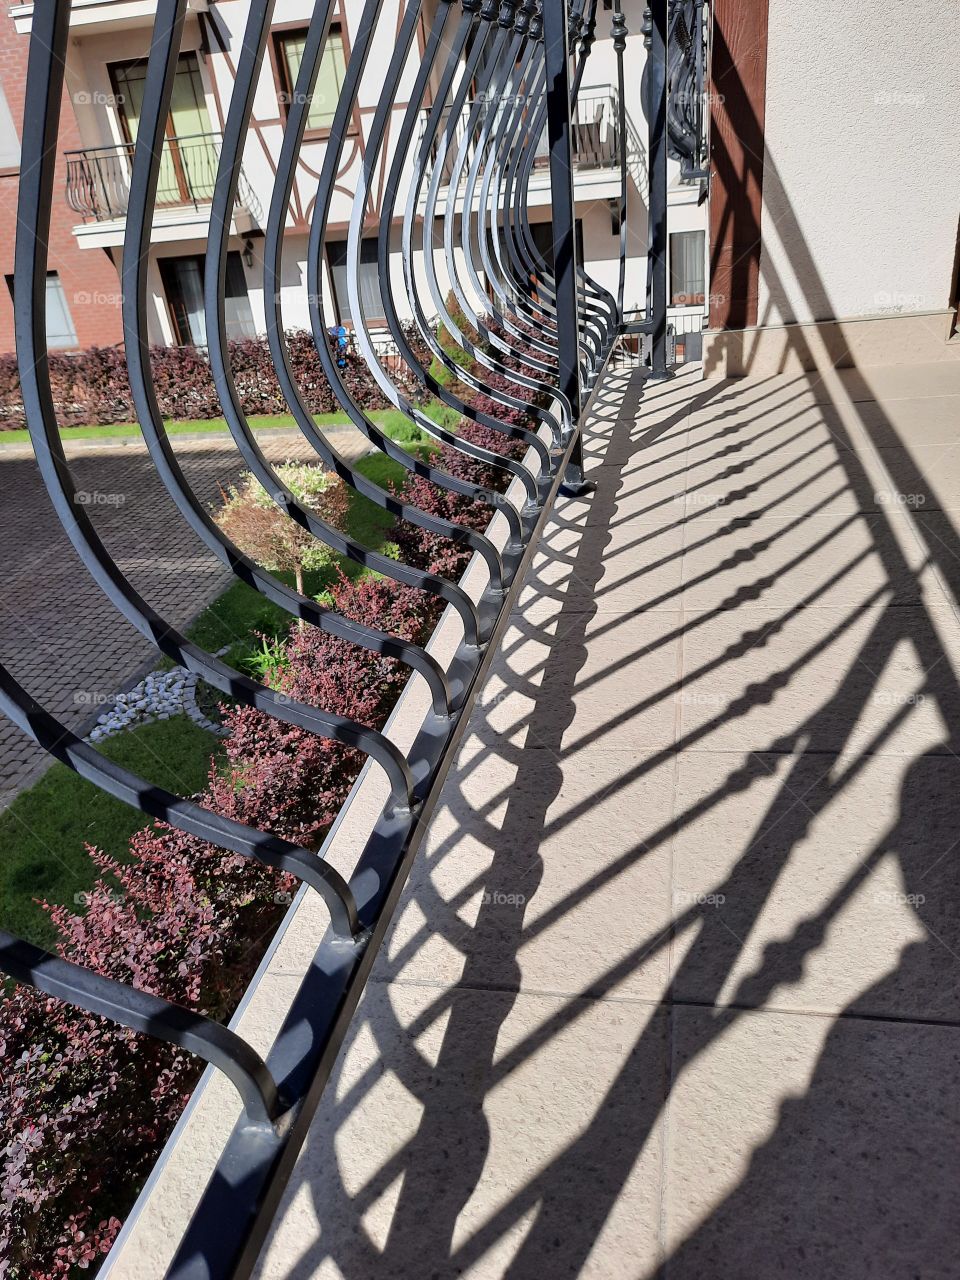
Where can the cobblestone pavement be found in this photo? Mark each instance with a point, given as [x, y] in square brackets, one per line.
[59, 635]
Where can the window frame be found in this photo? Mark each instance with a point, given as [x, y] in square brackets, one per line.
[689, 299]
[370, 321]
[281, 71]
[52, 275]
[186, 193]
[165, 270]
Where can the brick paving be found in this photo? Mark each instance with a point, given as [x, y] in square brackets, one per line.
[59, 635]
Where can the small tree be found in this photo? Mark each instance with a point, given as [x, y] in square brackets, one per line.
[262, 530]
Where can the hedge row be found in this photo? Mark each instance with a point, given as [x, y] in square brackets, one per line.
[91, 388]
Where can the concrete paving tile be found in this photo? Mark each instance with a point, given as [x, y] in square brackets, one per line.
[800, 1146]
[827, 558]
[543, 873]
[819, 680]
[814, 882]
[629, 565]
[924, 477]
[452, 1140]
[607, 681]
[929, 420]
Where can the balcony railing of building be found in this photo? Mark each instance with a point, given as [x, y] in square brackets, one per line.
[600, 132]
[98, 178]
[540, 337]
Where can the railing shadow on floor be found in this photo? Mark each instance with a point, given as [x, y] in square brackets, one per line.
[862, 1161]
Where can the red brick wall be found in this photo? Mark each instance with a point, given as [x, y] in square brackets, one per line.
[89, 278]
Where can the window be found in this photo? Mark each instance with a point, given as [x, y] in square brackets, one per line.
[370, 297]
[9, 138]
[289, 47]
[543, 240]
[188, 165]
[60, 330]
[183, 284]
[687, 285]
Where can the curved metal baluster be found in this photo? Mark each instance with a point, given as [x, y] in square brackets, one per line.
[535, 265]
[538, 312]
[388, 204]
[525, 257]
[296, 121]
[602, 305]
[539, 387]
[509, 128]
[434, 122]
[140, 1011]
[143, 184]
[259, 846]
[620, 34]
[474, 110]
[41, 121]
[315, 41]
[371, 155]
[489, 126]
[225, 191]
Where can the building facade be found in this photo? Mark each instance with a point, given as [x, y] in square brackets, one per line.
[105, 75]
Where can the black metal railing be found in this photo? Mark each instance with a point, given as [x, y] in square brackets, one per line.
[98, 178]
[540, 336]
[599, 132]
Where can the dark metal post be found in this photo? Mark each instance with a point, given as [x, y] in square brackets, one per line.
[656, 111]
[559, 133]
[620, 44]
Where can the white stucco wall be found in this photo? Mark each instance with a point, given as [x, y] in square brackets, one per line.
[861, 186]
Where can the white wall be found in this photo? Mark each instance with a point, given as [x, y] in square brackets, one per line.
[861, 184]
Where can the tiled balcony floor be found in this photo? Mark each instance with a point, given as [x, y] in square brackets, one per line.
[675, 987]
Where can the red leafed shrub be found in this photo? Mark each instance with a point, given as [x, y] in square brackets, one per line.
[432, 551]
[86, 1106]
[84, 1099]
[280, 774]
[91, 387]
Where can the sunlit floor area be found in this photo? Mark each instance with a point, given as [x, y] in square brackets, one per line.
[675, 986]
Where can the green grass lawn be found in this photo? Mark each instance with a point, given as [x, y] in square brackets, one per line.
[45, 829]
[392, 421]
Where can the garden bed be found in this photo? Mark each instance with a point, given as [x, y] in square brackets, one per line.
[89, 1106]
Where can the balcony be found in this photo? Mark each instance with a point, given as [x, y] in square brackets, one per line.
[600, 132]
[93, 16]
[98, 189]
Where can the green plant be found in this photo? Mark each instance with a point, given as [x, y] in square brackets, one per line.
[261, 529]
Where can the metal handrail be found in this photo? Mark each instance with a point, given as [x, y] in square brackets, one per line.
[596, 132]
[540, 340]
[98, 178]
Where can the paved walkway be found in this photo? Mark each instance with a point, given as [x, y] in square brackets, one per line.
[675, 988]
[59, 635]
